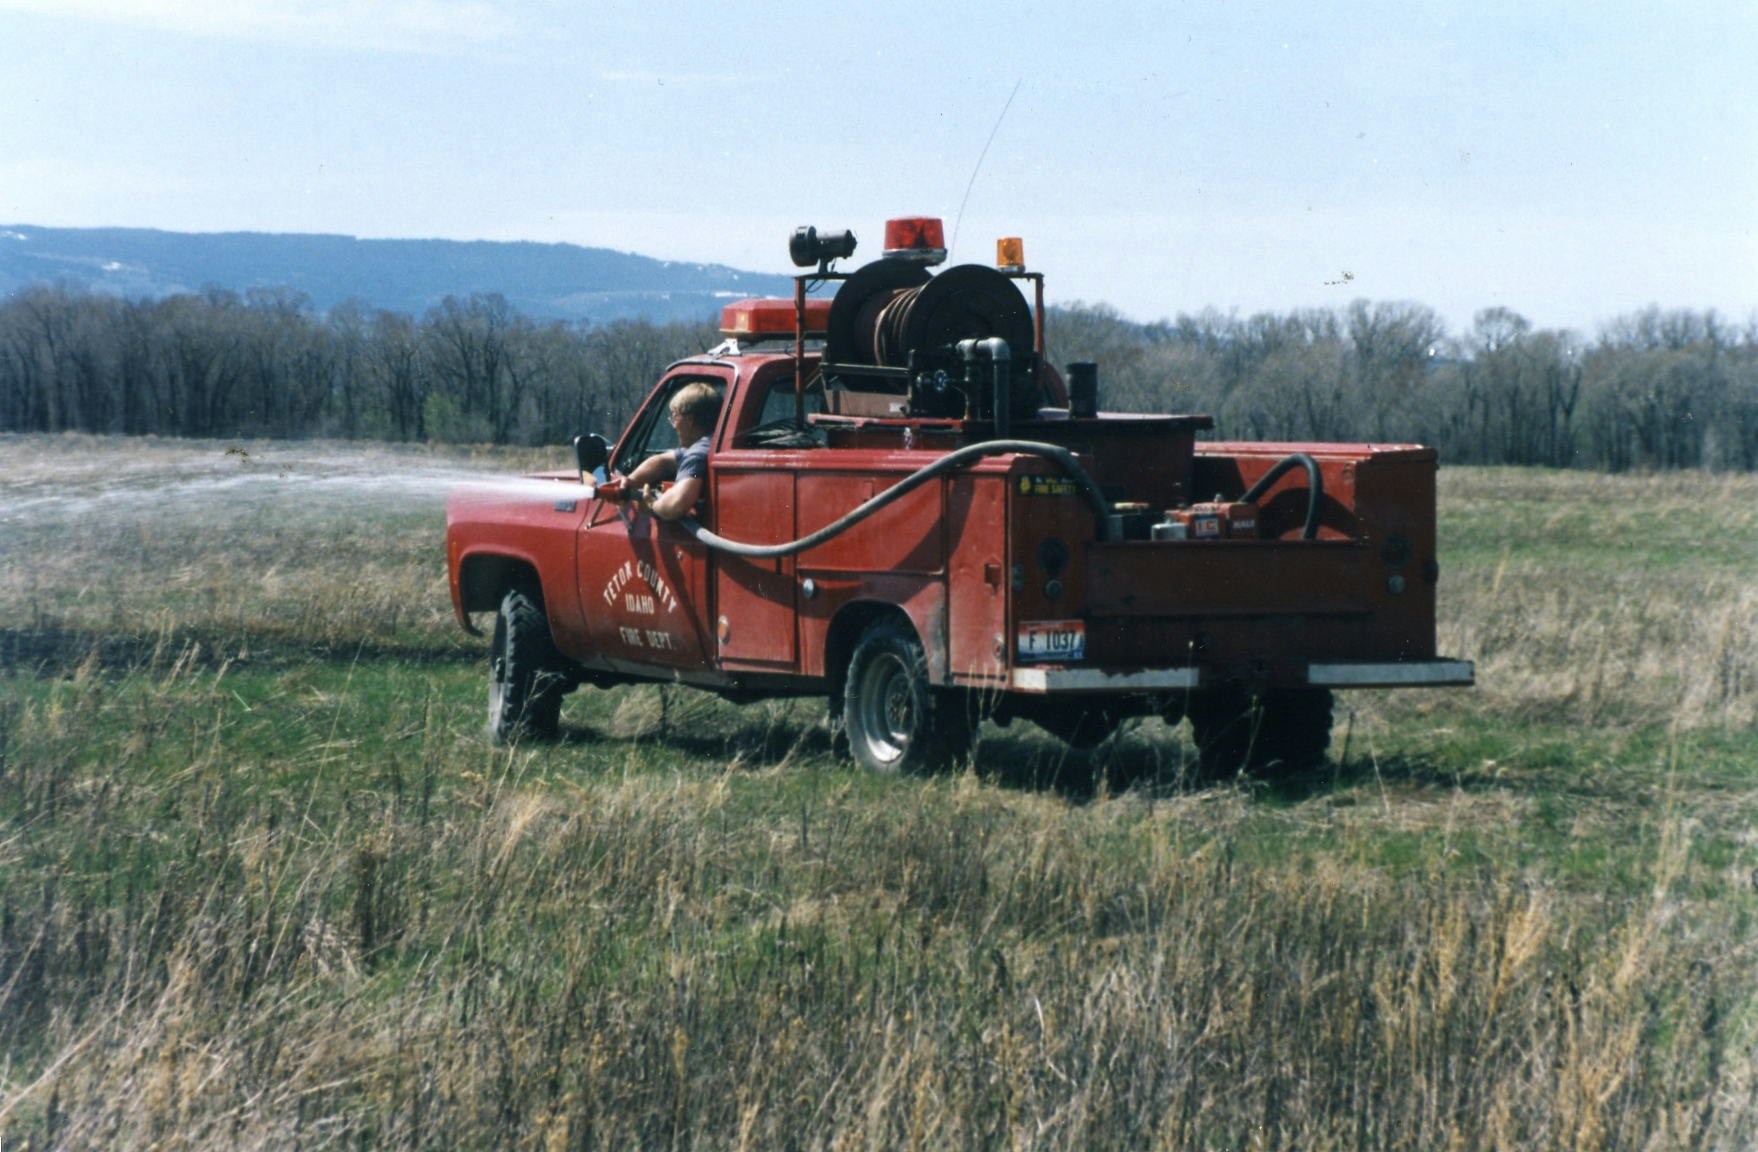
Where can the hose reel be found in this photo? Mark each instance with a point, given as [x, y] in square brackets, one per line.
[894, 328]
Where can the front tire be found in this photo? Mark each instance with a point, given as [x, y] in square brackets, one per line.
[892, 718]
[525, 684]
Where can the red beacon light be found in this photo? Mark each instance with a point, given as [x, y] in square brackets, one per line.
[756, 319]
[918, 239]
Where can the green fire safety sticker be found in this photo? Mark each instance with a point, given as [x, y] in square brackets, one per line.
[1047, 486]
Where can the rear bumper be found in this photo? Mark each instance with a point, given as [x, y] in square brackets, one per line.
[1398, 674]
[1047, 679]
[1060, 679]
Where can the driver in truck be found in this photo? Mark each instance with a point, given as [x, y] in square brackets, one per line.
[694, 409]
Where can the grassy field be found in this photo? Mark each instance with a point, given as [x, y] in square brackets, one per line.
[263, 884]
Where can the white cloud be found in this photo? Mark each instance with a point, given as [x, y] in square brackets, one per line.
[412, 25]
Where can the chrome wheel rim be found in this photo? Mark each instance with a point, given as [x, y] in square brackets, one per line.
[497, 670]
[886, 711]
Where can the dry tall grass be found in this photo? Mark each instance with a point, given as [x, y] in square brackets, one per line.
[1604, 599]
[447, 952]
[296, 901]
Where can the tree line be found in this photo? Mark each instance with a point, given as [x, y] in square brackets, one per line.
[262, 363]
[1655, 389]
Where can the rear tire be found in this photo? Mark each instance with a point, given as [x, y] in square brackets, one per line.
[1297, 722]
[894, 721]
[1082, 727]
[1224, 726]
[525, 682]
[1279, 733]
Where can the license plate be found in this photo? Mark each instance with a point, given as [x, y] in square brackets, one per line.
[1053, 640]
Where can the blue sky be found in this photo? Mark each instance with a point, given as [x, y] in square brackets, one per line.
[1571, 162]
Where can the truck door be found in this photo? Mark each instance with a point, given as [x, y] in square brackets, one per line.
[754, 485]
[643, 580]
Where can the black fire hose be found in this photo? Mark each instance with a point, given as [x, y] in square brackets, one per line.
[1315, 488]
[954, 459]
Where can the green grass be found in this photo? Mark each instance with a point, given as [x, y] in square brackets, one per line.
[1604, 525]
[264, 883]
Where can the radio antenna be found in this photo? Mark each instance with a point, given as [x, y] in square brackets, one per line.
[959, 219]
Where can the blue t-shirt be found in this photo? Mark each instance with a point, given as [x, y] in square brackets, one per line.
[693, 461]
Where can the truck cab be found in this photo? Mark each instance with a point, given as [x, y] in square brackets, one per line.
[910, 511]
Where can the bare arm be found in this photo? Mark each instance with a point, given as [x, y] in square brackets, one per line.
[675, 502]
[652, 471]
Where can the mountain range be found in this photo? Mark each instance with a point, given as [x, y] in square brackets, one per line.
[543, 281]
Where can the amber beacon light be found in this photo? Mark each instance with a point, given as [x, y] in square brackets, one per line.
[1010, 254]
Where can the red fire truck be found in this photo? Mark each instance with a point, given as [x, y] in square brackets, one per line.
[910, 511]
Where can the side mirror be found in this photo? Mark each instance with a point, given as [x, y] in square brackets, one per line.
[591, 452]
